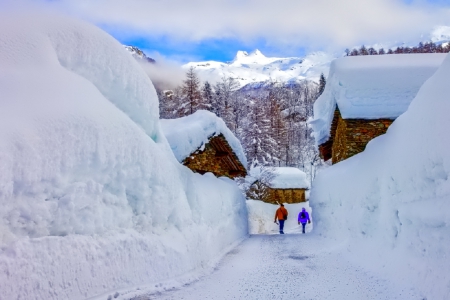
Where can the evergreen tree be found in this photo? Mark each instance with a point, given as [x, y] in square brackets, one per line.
[372, 51]
[363, 50]
[191, 93]
[256, 137]
[207, 94]
[322, 82]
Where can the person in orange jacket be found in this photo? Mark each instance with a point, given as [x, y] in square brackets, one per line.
[281, 214]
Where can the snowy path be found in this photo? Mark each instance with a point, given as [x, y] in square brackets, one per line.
[292, 266]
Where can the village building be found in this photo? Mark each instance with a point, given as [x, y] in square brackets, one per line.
[363, 96]
[281, 185]
[203, 143]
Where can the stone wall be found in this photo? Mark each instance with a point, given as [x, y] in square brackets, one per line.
[217, 162]
[276, 196]
[352, 136]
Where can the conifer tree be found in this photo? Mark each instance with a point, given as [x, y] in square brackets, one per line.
[322, 82]
[191, 93]
[256, 138]
[207, 95]
[363, 50]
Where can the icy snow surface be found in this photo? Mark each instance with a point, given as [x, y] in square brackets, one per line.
[289, 266]
[91, 197]
[188, 134]
[391, 202]
[371, 87]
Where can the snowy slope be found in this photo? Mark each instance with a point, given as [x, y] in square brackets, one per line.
[255, 67]
[92, 198]
[390, 203]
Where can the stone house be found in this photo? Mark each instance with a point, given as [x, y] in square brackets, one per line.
[217, 157]
[350, 136]
[287, 185]
[203, 143]
[363, 96]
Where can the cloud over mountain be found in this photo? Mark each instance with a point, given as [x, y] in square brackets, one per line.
[318, 23]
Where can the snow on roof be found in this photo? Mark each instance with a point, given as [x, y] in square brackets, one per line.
[371, 87]
[187, 134]
[289, 178]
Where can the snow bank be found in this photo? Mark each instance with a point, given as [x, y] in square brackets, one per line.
[261, 215]
[391, 201]
[92, 198]
[188, 134]
[371, 87]
[289, 178]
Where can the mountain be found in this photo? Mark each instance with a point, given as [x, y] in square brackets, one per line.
[255, 67]
[440, 34]
[138, 54]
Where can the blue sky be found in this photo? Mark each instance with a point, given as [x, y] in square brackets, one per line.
[209, 49]
[196, 30]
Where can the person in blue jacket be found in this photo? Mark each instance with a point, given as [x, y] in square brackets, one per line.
[303, 217]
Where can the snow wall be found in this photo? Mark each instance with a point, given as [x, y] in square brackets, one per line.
[390, 204]
[92, 199]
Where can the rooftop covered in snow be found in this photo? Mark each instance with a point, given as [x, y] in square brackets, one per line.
[371, 87]
[191, 133]
[289, 178]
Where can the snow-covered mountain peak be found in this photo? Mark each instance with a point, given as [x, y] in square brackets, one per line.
[256, 53]
[239, 55]
[440, 34]
[138, 54]
[255, 57]
[256, 67]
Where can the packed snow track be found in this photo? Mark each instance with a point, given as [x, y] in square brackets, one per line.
[290, 266]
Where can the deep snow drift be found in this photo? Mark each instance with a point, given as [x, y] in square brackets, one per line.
[92, 198]
[391, 202]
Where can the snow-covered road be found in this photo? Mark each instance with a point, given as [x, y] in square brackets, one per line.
[291, 266]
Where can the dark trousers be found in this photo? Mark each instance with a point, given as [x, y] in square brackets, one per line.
[281, 225]
[303, 225]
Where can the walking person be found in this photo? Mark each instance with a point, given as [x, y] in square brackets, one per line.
[303, 217]
[281, 214]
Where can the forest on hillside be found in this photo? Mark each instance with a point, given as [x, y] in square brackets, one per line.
[270, 118]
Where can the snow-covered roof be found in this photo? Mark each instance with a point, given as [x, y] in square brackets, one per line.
[187, 134]
[371, 87]
[289, 178]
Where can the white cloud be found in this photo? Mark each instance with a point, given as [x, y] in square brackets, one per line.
[313, 23]
[165, 73]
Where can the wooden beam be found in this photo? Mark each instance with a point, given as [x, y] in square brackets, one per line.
[222, 154]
